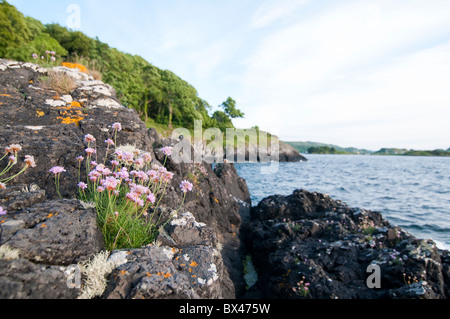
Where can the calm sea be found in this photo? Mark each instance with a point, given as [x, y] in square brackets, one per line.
[410, 192]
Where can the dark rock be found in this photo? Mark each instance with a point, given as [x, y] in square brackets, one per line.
[51, 127]
[311, 238]
[58, 232]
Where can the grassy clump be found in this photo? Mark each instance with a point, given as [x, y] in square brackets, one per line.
[126, 190]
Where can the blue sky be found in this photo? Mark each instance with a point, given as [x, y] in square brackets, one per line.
[369, 74]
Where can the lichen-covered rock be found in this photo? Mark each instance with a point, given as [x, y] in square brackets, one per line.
[51, 126]
[154, 272]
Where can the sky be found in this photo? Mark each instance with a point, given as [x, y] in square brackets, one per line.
[367, 74]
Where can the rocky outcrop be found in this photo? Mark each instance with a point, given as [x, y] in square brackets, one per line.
[255, 153]
[48, 234]
[308, 245]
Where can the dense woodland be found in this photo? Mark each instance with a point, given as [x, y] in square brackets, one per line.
[158, 95]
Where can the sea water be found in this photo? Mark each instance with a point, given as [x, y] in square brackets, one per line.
[411, 192]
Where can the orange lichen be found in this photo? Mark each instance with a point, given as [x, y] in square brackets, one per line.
[50, 215]
[39, 113]
[71, 114]
[43, 226]
[7, 95]
[193, 264]
[80, 67]
[122, 272]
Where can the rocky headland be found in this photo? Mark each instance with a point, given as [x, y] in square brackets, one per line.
[306, 245]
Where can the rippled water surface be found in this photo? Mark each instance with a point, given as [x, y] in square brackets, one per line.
[411, 192]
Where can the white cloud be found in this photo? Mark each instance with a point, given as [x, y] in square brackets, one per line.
[270, 12]
[358, 73]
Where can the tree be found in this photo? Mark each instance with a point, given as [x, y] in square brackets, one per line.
[14, 31]
[222, 120]
[229, 106]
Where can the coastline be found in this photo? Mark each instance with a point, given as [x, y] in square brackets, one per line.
[200, 254]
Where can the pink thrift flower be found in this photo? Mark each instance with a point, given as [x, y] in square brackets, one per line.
[114, 163]
[57, 170]
[117, 126]
[147, 158]
[13, 160]
[82, 185]
[167, 150]
[2, 211]
[90, 151]
[152, 174]
[29, 160]
[138, 163]
[186, 186]
[2, 186]
[89, 138]
[128, 157]
[110, 183]
[167, 177]
[110, 142]
[13, 148]
[79, 158]
[35, 56]
[151, 198]
[100, 189]
[123, 173]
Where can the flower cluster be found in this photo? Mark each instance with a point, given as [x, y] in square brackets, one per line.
[366, 225]
[302, 288]
[412, 279]
[12, 152]
[126, 188]
[51, 56]
[396, 258]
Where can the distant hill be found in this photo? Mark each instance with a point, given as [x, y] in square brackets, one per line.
[405, 152]
[304, 147]
[391, 151]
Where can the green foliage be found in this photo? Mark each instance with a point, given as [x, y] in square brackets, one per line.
[154, 93]
[324, 150]
[13, 28]
[303, 147]
[229, 106]
[427, 153]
